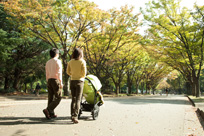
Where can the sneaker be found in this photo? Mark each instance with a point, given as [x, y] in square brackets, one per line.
[53, 116]
[46, 112]
[75, 121]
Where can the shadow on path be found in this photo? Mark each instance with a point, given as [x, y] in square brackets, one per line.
[39, 120]
[34, 120]
[23, 97]
[200, 119]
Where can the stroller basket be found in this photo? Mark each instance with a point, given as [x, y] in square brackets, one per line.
[87, 107]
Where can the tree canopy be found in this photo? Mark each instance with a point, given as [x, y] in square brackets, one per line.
[176, 37]
[114, 50]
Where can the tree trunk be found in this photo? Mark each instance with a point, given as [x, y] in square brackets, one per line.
[188, 88]
[15, 84]
[16, 79]
[129, 85]
[6, 83]
[146, 88]
[117, 89]
[193, 89]
[196, 85]
[106, 87]
[142, 89]
[137, 87]
[31, 86]
[198, 93]
[66, 77]
[130, 88]
[153, 91]
[25, 90]
[65, 87]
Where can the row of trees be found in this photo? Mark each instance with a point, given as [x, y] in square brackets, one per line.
[176, 37]
[113, 49]
[22, 57]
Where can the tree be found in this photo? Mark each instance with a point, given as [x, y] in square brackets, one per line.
[176, 38]
[158, 71]
[135, 72]
[60, 23]
[5, 45]
[163, 85]
[176, 82]
[20, 56]
[122, 61]
[104, 48]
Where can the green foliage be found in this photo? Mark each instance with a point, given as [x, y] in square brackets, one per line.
[176, 38]
[111, 44]
[20, 56]
[59, 23]
[109, 50]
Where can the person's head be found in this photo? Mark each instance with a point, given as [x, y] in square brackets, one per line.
[77, 54]
[54, 52]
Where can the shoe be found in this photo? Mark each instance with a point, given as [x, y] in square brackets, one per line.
[53, 116]
[75, 121]
[46, 112]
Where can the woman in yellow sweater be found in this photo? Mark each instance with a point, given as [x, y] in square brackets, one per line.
[76, 69]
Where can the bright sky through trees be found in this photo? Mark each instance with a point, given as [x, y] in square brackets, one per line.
[108, 4]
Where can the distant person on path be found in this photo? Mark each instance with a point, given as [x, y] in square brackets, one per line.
[76, 69]
[37, 89]
[53, 70]
[166, 92]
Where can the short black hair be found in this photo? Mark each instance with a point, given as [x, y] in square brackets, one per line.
[53, 52]
[77, 54]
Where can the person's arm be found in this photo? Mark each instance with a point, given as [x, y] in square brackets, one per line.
[47, 72]
[59, 63]
[68, 69]
[83, 69]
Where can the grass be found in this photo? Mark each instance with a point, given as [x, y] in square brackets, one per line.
[122, 95]
[197, 99]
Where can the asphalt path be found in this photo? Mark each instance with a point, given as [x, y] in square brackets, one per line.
[122, 116]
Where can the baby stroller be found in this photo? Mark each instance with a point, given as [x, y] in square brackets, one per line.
[93, 98]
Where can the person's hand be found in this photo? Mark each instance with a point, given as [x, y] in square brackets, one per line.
[61, 85]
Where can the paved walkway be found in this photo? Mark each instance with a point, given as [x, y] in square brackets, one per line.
[127, 116]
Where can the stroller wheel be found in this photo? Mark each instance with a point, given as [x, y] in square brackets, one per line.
[95, 112]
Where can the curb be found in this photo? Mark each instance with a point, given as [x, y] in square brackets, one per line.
[192, 102]
[200, 112]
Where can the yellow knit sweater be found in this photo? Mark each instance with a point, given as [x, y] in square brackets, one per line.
[76, 69]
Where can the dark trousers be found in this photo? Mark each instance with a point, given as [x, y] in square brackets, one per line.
[37, 92]
[76, 87]
[54, 95]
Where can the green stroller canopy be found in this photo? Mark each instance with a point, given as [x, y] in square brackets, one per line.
[91, 84]
[95, 81]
